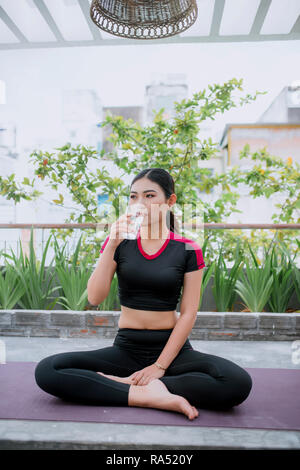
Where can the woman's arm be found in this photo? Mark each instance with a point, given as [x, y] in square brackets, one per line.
[177, 339]
[188, 314]
[99, 283]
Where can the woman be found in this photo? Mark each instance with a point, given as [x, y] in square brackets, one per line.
[151, 362]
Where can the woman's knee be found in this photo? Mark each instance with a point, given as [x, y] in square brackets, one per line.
[44, 373]
[240, 387]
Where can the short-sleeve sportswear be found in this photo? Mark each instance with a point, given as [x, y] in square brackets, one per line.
[154, 282]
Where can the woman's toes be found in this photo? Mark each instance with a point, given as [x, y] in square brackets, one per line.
[188, 410]
[193, 412]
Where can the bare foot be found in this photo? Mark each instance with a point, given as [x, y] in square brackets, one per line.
[156, 395]
[125, 380]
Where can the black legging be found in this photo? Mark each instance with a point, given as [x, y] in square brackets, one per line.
[205, 380]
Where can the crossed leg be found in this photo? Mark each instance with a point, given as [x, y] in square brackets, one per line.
[203, 380]
[75, 376]
[207, 381]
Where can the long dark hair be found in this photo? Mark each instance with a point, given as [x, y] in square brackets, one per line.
[166, 182]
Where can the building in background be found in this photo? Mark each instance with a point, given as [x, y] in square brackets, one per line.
[8, 165]
[136, 113]
[162, 92]
[8, 160]
[278, 130]
[81, 112]
[280, 139]
[286, 106]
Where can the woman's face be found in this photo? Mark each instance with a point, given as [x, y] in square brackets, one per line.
[150, 194]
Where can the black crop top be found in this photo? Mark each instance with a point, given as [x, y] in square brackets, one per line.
[154, 282]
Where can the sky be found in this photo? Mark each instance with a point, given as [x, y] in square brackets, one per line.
[120, 74]
[263, 66]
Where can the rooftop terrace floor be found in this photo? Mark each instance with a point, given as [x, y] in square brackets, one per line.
[25, 434]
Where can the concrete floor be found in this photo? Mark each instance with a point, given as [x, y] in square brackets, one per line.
[16, 434]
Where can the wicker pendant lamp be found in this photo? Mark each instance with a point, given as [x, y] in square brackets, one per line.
[144, 19]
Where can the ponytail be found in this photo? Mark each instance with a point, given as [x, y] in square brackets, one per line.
[173, 222]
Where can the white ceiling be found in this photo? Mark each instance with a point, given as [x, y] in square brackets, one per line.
[26, 24]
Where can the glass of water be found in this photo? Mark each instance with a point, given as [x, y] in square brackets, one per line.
[138, 212]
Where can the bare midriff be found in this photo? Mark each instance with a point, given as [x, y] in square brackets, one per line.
[146, 319]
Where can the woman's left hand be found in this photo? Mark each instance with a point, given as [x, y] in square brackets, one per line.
[144, 376]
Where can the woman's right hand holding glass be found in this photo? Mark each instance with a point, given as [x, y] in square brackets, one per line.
[119, 228]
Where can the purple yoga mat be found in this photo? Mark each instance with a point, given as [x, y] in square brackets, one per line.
[273, 403]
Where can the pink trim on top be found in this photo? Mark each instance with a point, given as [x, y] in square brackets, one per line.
[155, 255]
[196, 246]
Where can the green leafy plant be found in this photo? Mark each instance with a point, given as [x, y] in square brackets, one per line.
[296, 280]
[225, 281]
[256, 287]
[173, 144]
[34, 278]
[283, 286]
[295, 269]
[73, 279]
[11, 289]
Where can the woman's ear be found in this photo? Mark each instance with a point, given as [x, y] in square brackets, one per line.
[172, 200]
